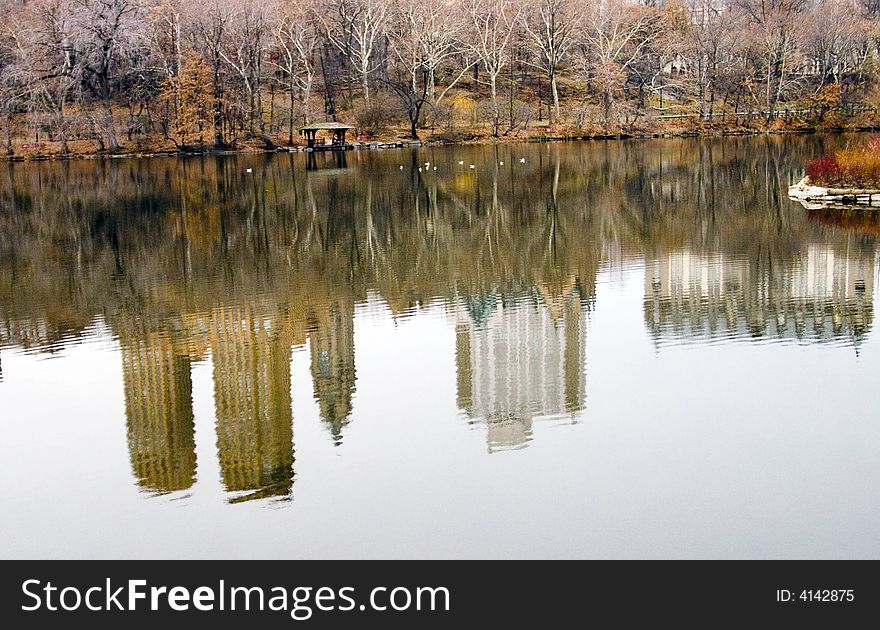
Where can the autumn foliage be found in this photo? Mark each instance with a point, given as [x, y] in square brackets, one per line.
[855, 166]
[190, 94]
[823, 170]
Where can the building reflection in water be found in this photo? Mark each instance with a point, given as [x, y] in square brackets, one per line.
[250, 266]
[251, 349]
[251, 357]
[820, 295]
[518, 360]
[158, 408]
[331, 342]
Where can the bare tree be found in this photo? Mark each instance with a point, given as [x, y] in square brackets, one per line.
[13, 73]
[167, 17]
[408, 77]
[436, 29]
[243, 50]
[775, 26]
[104, 28]
[355, 28]
[492, 26]
[708, 50]
[614, 35]
[56, 71]
[552, 27]
[296, 42]
[211, 26]
[422, 36]
[833, 37]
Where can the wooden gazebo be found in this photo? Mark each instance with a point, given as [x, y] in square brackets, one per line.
[339, 130]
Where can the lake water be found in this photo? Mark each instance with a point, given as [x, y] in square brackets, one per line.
[608, 349]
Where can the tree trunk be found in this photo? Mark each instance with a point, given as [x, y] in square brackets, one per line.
[431, 98]
[606, 106]
[510, 121]
[365, 86]
[555, 92]
[108, 123]
[218, 108]
[290, 117]
[495, 113]
[307, 96]
[329, 102]
[62, 131]
[7, 128]
[780, 82]
[98, 137]
[272, 109]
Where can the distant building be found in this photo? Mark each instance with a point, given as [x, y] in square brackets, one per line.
[158, 409]
[516, 361]
[251, 357]
[675, 65]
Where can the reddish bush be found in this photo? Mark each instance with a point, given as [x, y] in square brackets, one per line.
[824, 170]
[856, 166]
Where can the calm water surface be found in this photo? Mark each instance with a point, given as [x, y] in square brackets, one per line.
[619, 349]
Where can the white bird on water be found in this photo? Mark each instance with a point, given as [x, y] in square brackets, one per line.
[248, 170]
[472, 166]
[501, 163]
[401, 167]
[427, 164]
[522, 160]
[461, 162]
[420, 169]
[435, 168]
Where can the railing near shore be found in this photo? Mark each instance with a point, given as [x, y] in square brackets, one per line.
[849, 110]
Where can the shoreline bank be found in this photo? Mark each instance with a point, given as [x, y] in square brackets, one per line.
[814, 197]
[411, 143]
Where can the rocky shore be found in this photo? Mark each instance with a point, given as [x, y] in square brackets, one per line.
[816, 197]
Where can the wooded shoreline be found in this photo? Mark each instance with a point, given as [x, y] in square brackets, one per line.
[408, 143]
[147, 77]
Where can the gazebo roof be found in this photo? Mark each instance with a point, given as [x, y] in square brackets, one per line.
[326, 126]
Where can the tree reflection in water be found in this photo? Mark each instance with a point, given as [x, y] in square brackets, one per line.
[189, 258]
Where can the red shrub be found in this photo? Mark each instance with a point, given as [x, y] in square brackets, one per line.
[824, 170]
[857, 166]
